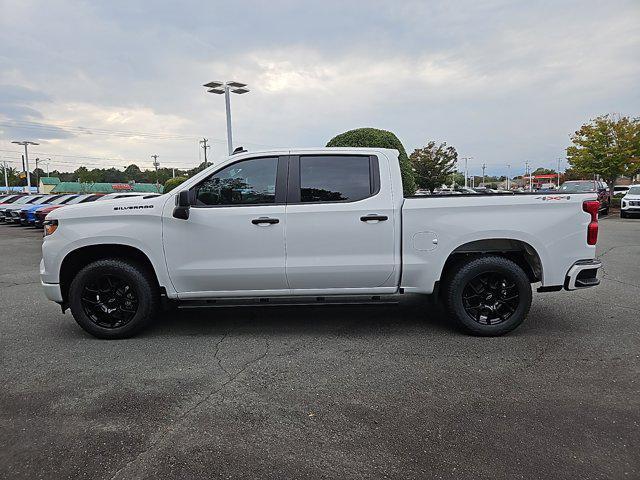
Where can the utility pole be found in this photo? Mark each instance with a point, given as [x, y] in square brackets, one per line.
[6, 179]
[508, 175]
[26, 144]
[156, 164]
[466, 170]
[173, 172]
[37, 175]
[484, 165]
[205, 147]
[527, 171]
[559, 160]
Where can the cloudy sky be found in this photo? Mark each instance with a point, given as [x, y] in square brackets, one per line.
[111, 83]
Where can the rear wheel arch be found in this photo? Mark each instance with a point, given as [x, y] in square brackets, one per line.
[77, 259]
[518, 251]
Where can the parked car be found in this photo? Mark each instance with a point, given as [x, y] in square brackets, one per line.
[27, 213]
[590, 186]
[547, 186]
[41, 213]
[630, 203]
[5, 211]
[9, 198]
[620, 190]
[16, 213]
[315, 225]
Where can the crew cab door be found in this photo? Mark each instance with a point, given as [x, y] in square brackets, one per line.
[340, 224]
[233, 241]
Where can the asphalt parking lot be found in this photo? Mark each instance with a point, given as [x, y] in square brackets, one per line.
[324, 392]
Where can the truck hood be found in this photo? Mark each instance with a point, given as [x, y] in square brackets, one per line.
[631, 197]
[14, 207]
[102, 208]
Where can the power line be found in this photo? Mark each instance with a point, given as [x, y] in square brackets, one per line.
[52, 127]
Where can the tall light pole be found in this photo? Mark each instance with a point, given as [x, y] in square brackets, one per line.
[466, 170]
[156, 164]
[508, 174]
[227, 88]
[484, 165]
[26, 144]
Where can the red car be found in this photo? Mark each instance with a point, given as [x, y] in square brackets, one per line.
[42, 212]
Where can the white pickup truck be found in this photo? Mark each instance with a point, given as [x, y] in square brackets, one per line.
[321, 225]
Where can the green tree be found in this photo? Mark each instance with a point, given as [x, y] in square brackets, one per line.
[133, 173]
[608, 146]
[173, 183]
[374, 137]
[433, 165]
[113, 175]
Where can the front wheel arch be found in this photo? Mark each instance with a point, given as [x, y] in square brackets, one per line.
[77, 259]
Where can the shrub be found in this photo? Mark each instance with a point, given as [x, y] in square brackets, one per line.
[376, 138]
[173, 183]
[615, 202]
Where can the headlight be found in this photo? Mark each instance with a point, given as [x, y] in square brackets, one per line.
[624, 204]
[50, 226]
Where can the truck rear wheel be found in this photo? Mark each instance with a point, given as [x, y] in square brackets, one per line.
[113, 298]
[488, 295]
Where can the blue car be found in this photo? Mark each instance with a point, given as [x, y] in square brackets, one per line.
[27, 213]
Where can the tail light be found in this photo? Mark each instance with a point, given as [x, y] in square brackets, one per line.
[592, 207]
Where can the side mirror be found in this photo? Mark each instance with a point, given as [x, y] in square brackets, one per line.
[183, 204]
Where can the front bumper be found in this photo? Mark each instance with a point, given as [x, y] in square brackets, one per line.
[52, 291]
[630, 206]
[583, 274]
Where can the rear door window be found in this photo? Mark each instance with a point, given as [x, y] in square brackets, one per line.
[335, 178]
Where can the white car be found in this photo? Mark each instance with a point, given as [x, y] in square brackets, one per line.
[630, 203]
[620, 190]
[315, 225]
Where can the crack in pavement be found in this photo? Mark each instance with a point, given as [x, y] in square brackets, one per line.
[15, 284]
[168, 429]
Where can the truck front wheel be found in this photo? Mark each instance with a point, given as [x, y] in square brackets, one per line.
[113, 298]
[488, 295]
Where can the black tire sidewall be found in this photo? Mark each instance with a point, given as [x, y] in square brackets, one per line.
[139, 280]
[470, 270]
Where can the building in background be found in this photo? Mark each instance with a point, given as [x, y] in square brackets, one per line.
[79, 187]
[47, 184]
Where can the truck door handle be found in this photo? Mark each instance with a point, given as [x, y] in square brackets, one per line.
[261, 220]
[368, 218]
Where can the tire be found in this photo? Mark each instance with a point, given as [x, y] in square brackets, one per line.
[506, 293]
[129, 299]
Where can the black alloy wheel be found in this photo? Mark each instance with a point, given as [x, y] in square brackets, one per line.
[490, 298]
[109, 301]
[486, 295]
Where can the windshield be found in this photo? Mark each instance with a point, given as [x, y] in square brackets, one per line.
[59, 200]
[77, 199]
[22, 200]
[578, 187]
[635, 190]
